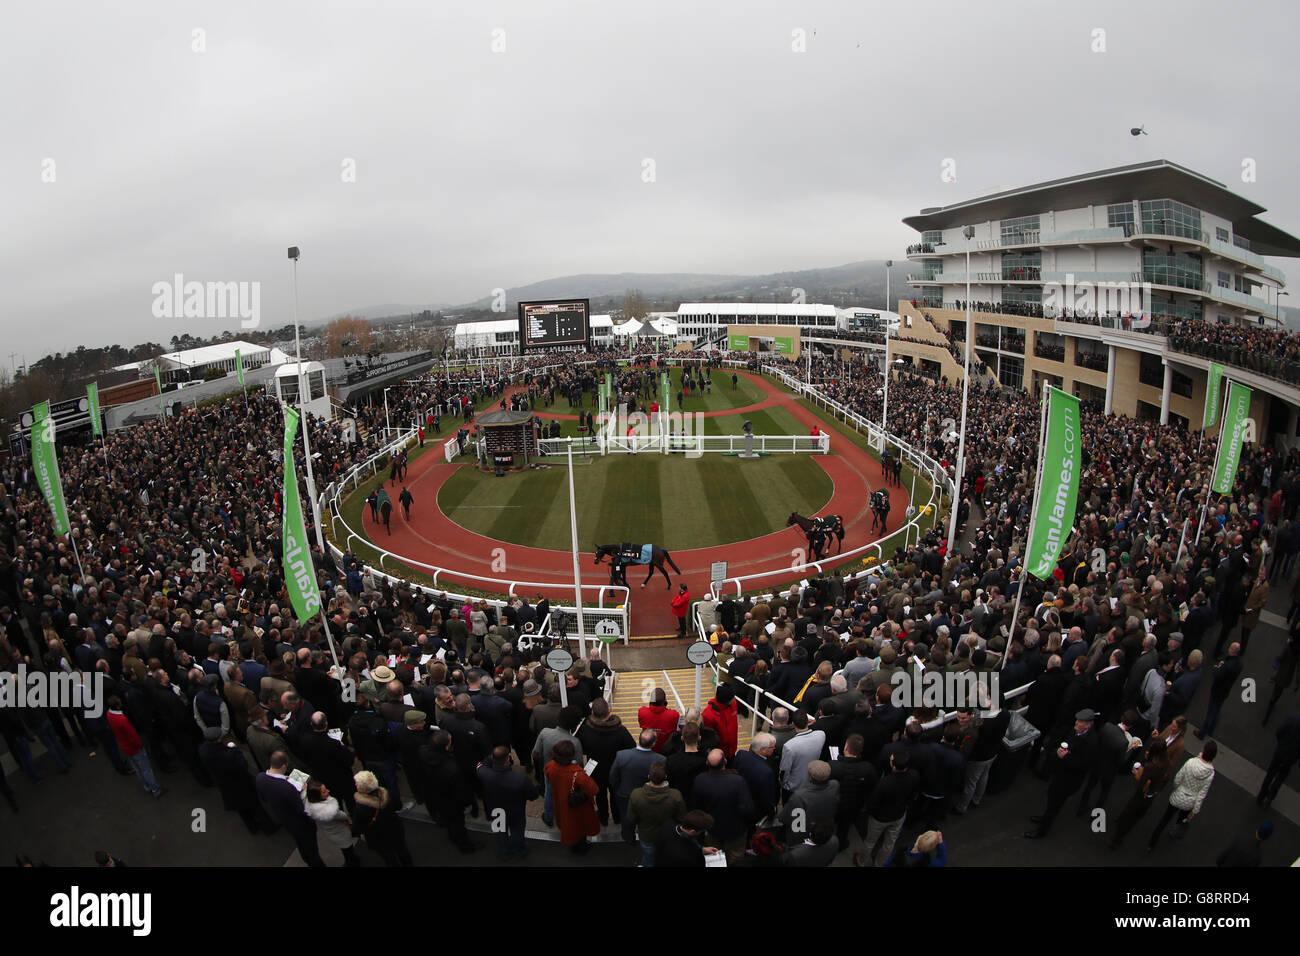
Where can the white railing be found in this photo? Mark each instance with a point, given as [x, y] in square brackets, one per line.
[608, 603]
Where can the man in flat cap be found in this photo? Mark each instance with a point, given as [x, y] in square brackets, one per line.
[1074, 758]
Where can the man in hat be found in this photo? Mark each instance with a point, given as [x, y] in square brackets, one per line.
[376, 685]
[1074, 758]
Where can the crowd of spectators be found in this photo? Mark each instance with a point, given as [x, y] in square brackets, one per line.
[182, 609]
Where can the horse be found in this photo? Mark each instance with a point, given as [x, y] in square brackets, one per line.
[819, 531]
[624, 554]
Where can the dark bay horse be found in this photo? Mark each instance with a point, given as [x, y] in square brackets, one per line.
[621, 555]
[819, 531]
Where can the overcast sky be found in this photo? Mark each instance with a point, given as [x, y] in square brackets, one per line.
[478, 168]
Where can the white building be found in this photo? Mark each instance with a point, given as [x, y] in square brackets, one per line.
[193, 365]
[706, 322]
[1088, 282]
[493, 337]
[1199, 247]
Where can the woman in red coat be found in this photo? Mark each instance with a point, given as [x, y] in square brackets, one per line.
[565, 776]
[720, 714]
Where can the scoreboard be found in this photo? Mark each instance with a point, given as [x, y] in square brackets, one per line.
[554, 322]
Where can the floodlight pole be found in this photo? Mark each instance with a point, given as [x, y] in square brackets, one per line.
[302, 408]
[969, 233]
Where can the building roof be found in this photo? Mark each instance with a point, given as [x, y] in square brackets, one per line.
[207, 354]
[753, 308]
[503, 417]
[1157, 179]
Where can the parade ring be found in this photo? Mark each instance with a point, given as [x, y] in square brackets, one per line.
[432, 537]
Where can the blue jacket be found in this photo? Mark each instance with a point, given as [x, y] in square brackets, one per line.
[631, 769]
[510, 791]
[253, 673]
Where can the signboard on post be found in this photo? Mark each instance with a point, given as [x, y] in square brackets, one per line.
[558, 660]
[717, 572]
[700, 653]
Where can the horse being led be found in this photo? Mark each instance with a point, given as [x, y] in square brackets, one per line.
[621, 555]
[819, 531]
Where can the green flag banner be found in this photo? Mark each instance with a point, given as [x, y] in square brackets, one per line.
[157, 377]
[666, 383]
[784, 346]
[1058, 484]
[1213, 395]
[239, 367]
[1231, 438]
[92, 397]
[46, 465]
[299, 574]
[738, 343]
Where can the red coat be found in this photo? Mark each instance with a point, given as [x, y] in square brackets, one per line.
[128, 741]
[575, 822]
[681, 603]
[663, 720]
[724, 721]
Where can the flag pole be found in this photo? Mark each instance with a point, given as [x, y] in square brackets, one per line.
[1033, 520]
[577, 577]
[103, 438]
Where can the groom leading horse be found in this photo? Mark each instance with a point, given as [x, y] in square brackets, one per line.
[621, 555]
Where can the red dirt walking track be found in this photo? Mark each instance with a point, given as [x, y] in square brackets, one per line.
[432, 537]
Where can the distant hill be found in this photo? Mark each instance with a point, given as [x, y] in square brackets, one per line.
[856, 283]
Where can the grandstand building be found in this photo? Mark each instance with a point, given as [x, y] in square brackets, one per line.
[1095, 283]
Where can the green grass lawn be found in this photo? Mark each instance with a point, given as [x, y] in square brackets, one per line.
[668, 500]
